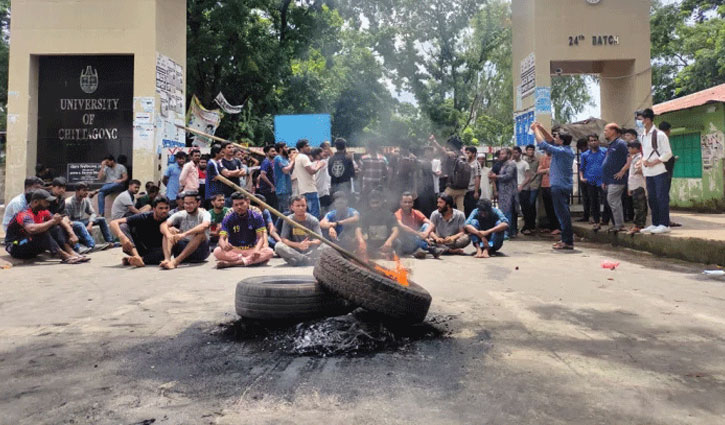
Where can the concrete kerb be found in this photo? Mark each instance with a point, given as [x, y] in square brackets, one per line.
[698, 250]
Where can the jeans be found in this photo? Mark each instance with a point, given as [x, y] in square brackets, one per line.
[294, 257]
[341, 187]
[198, 256]
[659, 199]
[469, 202]
[553, 222]
[584, 192]
[410, 243]
[30, 248]
[560, 198]
[495, 241]
[527, 198]
[313, 204]
[105, 190]
[614, 198]
[283, 202]
[79, 228]
[639, 201]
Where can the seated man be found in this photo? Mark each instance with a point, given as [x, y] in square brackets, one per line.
[243, 236]
[377, 235]
[124, 204]
[143, 204]
[448, 227]
[186, 233]
[114, 176]
[82, 216]
[29, 232]
[140, 234]
[415, 229]
[21, 202]
[217, 212]
[487, 226]
[340, 223]
[297, 248]
[62, 233]
[272, 235]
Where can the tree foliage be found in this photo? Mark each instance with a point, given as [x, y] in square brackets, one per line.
[688, 47]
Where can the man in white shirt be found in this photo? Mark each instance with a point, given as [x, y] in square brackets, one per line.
[304, 172]
[655, 152]
[323, 181]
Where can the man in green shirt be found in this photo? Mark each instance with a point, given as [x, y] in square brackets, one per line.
[218, 212]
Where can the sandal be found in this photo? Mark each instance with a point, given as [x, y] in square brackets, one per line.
[71, 260]
[563, 246]
[556, 232]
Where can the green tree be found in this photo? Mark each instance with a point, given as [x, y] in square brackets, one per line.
[4, 60]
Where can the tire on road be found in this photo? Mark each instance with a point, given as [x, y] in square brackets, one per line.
[370, 290]
[286, 298]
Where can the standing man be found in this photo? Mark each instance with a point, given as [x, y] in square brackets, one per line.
[296, 248]
[265, 183]
[655, 153]
[562, 159]
[305, 172]
[474, 184]
[114, 178]
[189, 177]
[283, 165]
[530, 191]
[590, 173]
[522, 178]
[614, 172]
[214, 187]
[83, 217]
[323, 181]
[233, 169]
[186, 233]
[242, 240]
[171, 177]
[506, 179]
[341, 168]
[374, 169]
[140, 234]
[124, 204]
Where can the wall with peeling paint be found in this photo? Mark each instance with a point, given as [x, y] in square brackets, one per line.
[709, 121]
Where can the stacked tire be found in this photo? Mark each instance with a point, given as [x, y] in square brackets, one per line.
[338, 286]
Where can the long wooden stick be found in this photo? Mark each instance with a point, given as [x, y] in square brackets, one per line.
[211, 136]
[370, 265]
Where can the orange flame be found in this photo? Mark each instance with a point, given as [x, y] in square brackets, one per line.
[399, 274]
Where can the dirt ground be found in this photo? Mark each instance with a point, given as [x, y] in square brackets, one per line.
[532, 337]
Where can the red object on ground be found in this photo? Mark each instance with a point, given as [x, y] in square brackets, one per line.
[611, 265]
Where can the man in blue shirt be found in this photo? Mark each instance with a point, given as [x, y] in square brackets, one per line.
[21, 202]
[265, 183]
[614, 174]
[590, 173]
[171, 177]
[341, 222]
[487, 226]
[283, 165]
[243, 236]
[560, 172]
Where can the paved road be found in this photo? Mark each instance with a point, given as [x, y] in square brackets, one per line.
[558, 340]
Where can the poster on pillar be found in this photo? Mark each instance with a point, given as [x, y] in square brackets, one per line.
[85, 110]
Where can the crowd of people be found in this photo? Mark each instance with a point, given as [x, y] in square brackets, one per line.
[436, 201]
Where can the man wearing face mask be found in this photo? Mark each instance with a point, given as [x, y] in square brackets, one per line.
[486, 226]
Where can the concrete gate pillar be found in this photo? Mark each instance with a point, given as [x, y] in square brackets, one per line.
[83, 83]
[608, 38]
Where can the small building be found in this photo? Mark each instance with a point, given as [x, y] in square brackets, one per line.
[698, 141]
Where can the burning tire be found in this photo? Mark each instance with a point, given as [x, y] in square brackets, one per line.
[286, 298]
[370, 290]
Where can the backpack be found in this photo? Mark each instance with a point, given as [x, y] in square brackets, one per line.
[670, 164]
[461, 175]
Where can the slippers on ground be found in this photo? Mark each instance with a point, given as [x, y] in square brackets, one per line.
[72, 260]
[563, 246]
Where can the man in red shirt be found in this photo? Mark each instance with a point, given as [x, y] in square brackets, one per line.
[415, 229]
[29, 232]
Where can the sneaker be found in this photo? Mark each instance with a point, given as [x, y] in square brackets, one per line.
[101, 246]
[84, 250]
[648, 229]
[660, 229]
[419, 254]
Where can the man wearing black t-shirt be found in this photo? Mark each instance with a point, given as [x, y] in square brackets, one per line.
[141, 236]
[233, 169]
[377, 234]
[341, 168]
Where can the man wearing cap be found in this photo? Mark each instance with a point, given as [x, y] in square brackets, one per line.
[83, 217]
[21, 201]
[29, 232]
